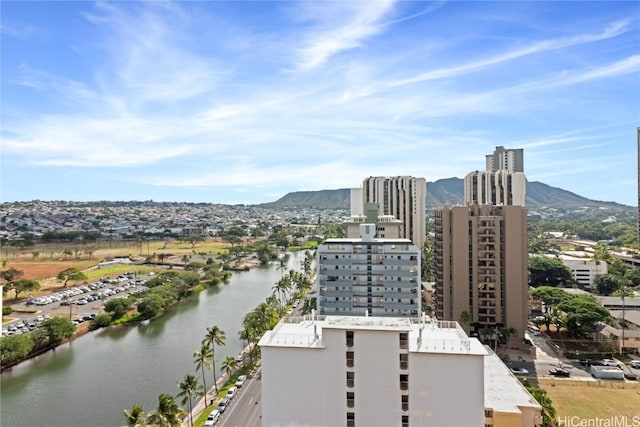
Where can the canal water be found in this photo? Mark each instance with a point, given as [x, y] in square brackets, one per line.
[90, 381]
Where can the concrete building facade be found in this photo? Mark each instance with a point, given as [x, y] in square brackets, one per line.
[495, 188]
[584, 270]
[387, 227]
[510, 159]
[368, 276]
[404, 198]
[480, 256]
[376, 371]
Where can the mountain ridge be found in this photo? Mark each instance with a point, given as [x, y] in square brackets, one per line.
[443, 193]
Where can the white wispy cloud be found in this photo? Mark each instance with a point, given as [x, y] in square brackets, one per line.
[174, 108]
[610, 31]
[345, 28]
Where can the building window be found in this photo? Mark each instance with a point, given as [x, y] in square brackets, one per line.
[351, 400]
[405, 403]
[404, 361]
[351, 419]
[404, 340]
[405, 421]
[349, 338]
[349, 359]
[404, 382]
[488, 413]
[351, 379]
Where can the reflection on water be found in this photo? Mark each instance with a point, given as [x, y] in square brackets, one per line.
[91, 381]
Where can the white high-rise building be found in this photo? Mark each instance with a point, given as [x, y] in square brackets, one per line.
[404, 198]
[379, 371]
[510, 159]
[497, 188]
[369, 276]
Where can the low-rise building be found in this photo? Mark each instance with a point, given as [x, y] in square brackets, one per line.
[584, 270]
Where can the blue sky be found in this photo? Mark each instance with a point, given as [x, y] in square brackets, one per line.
[243, 102]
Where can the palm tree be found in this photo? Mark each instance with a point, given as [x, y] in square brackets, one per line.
[229, 365]
[281, 287]
[136, 417]
[245, 334]
[282, 264]
[201, 360]
[190, 388]
[306, 264]
[168, 412]
[215, 336]
[308, 305]
[623, 291]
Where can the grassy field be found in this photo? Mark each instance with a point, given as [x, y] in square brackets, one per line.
[594, 399]
[44, 261]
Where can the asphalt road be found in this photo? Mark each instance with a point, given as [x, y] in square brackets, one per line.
[246, 408]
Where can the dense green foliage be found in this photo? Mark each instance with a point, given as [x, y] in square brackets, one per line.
[549, 414]
[582, 312]
[69, 236]
[24, 285]
[606, 284]
[151, 306]
[622, 232]
[52, 332]
[71, 274]
[118, 306]
[550, 296]
[15, 347]
[57, 329]
[544, 271]
[100, 321]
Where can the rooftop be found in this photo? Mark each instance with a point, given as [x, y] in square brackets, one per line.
[425, 335]
[503, 392]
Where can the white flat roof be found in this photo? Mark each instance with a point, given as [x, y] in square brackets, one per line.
[503, 392]
[428, 336]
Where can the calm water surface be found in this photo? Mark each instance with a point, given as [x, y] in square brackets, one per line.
[90, 381]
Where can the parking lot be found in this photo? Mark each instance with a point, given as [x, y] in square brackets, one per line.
[80, 303]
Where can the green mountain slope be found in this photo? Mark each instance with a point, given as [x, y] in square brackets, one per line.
[444, 192]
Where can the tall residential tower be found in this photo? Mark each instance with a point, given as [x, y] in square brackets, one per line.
[480, 249]
[404, 198]
[510, 159]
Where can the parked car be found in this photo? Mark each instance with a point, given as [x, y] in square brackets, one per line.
[586, 362]
[222, 406]
[521, 371]
[212, 419]
[231, 392]
[635, 364]
[630, 375]
[240, 381]
[559, 372]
